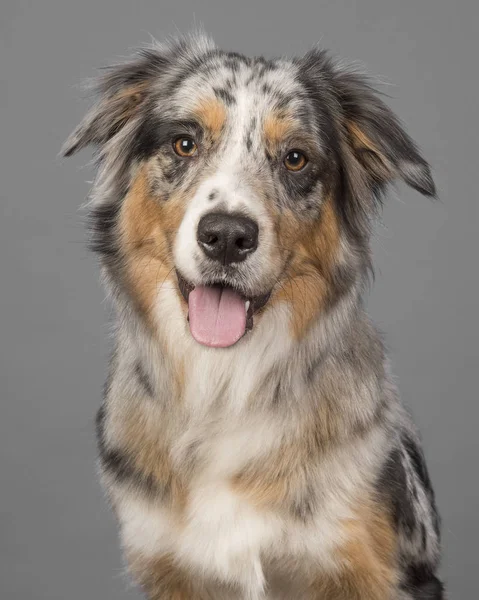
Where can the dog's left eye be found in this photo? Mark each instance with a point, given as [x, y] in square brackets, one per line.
[185, 146]
[295, 160]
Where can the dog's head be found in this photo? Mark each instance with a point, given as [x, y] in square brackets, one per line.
[242, 182]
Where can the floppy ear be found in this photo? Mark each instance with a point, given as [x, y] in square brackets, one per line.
[121, 94]
[377, 138]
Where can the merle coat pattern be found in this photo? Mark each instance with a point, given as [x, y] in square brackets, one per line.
[283, 465]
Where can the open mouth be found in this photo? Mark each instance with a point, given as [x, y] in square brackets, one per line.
[219, 315]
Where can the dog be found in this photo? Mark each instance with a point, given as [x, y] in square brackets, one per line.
[251, 440]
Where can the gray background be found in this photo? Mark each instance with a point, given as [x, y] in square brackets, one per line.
[57, 539]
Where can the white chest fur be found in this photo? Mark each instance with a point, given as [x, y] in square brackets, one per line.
[223, 536]
[219, 535]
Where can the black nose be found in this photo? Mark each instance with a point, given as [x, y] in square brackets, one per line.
[227, 238]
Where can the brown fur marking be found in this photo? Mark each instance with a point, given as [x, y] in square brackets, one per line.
[161, 578]
[262, 486]
[212, 115]
[367, 559]
[277, 127]
[123, 105]
[373, 160]
[146, 226]
[139, 432]
[308, 283]
[360, 140]
[279, 480]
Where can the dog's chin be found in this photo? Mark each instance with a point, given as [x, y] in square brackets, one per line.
[219, 314]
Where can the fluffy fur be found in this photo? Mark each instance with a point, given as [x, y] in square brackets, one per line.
[284, 466]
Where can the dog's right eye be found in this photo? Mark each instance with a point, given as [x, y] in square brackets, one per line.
[185, 146]
[295, 160]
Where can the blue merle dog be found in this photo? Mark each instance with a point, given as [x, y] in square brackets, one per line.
[252, 442]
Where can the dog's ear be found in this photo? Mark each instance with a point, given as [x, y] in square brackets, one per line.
[124, 90]
[121, 93]
[376, 137]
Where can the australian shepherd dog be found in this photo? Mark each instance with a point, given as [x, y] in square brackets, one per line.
[252, 443]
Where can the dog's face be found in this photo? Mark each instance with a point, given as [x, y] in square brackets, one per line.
[242, 182]
[245, 156]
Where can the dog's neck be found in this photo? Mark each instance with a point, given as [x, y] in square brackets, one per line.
[267, 363]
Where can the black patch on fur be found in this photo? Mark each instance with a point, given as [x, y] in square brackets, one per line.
[119, 465]
[301, 184]
[213, 194]
[233, 60]
[103, 221]
[176, 171]
[194, 64]
[264, 68]
[144, 380]
[422, 583]
[417, 459]
[282, 100]
[100, 423]
[149, 137]
[303, 508]
[277, 394]
[420, 580]
[155, 133]
[240, 58]
[232, 64]
[250, 133]
[312, 368]
[423, 536]
[225, 95]
[266, 88]
[393, 483]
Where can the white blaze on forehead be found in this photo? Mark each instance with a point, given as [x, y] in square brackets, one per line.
[228, 186]
[231, 163]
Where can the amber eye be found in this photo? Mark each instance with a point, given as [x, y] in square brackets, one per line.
[295, 160]
[185, 146]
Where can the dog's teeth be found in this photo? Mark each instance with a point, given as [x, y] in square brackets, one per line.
[247, 303]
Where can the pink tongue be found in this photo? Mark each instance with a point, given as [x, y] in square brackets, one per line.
[217, 316]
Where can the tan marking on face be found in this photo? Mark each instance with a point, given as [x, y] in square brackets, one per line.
[308, 283]
[366, 560]
[147, 228]
[211, 113]
[277, 127]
